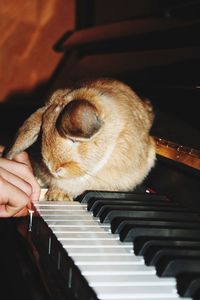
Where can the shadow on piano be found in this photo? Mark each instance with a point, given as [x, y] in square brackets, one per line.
[159, 59]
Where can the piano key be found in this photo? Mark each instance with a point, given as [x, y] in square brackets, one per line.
[130, 280]
[99, 206]
[86, 236]
[144, 243]
[60, 213]
[69, 226]
[188, 284]
[108, 210]
[90, 251]
[106, 259]
[76, 223]
[85, 197]
[151, 257]
[78, 226]
[62, 217]
[142, 297]
[88, 243]
[135, 291]
[130, 234]
[93, 203]
[120, 292]
[172, 267]
[118, 225]
[148, 214]
[108, 269]
[58, 204]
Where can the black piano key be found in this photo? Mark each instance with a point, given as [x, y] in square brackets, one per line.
[153, 251]
[188, 284]
[172, 267]
[149, 198]
[117, 225]
[110, 213]
[151, 259]
[96, 204]
[85, 197]
[142, 244]
[102, 208]
[100, 205]
[129, 234]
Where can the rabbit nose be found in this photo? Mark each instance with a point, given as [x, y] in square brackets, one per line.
[56, 171]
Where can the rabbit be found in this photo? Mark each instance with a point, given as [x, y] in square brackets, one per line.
[93, 136]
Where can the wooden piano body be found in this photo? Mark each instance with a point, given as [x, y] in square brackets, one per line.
[159, 58]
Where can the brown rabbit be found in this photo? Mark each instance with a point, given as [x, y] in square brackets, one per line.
[91, 137]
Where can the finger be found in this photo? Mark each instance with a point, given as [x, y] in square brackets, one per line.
[23, 212]
[23, 171]
[23, 158]
[19, 169]
[17, 181]
[12, 199]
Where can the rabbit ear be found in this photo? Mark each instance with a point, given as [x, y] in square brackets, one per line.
[79, 119]
[27, 133]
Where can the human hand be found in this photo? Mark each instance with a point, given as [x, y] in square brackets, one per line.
[18, 186]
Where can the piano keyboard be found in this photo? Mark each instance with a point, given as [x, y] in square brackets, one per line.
[110, 267]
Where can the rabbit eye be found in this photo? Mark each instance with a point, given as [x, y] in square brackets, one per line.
[73, 141]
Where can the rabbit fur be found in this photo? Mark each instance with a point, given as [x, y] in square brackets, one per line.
[94, 136]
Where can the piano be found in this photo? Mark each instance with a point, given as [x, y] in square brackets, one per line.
[143, 244]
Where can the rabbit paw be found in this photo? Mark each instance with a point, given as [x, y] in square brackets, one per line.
[54, 194]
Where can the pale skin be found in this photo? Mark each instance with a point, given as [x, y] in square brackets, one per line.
[18, 186]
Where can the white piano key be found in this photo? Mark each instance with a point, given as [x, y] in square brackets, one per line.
[66, 213]
[81, 228]
[129, 280]
[119, 292]
[118, 270]
[87, 243]
[65, 208]
[69, 217]
[113, 250]
[84, 236]
[110, 251]
[108, 259]
[144, 297]
[51, 204]
[60, 205]
[77, 223]
[144, 281]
